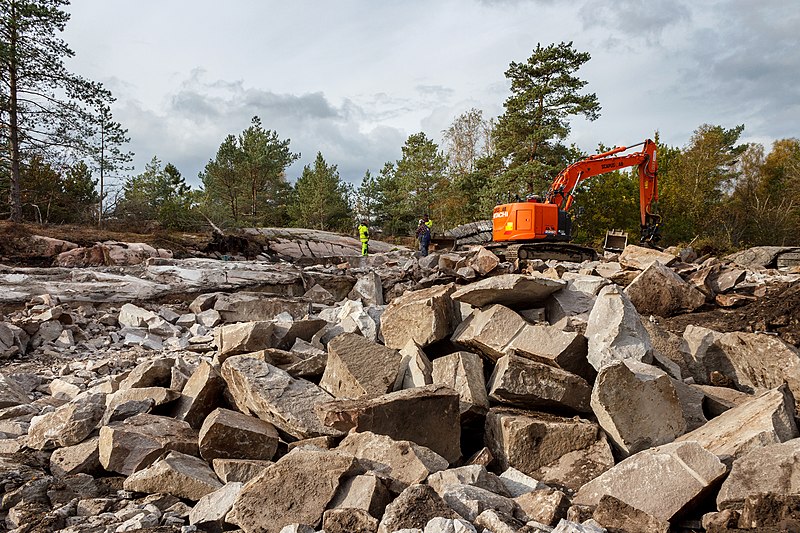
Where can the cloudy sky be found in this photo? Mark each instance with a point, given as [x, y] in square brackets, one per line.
[354, 78]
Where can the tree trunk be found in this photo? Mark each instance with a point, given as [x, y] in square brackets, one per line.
[15, 199]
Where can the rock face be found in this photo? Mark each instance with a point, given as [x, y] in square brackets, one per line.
[637, 406]
[770, 469]
[357, 367]
[615, 330]
[510, 290]
[660, 291]
[181, 475]
[272, 500]
[520, 382]
[273, 395]
[135, 443]
[682, 471]
[428, 416]
[424, 316]
[246, 337]
[227, 434]
[767, 419]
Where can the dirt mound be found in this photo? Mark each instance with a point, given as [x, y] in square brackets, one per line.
[778, 312]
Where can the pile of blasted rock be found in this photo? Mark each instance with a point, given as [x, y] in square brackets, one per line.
[520, 402]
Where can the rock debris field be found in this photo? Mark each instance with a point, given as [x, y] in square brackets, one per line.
[450, 393]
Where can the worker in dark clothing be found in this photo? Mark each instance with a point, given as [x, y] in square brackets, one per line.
[363, 235]
[424, 235]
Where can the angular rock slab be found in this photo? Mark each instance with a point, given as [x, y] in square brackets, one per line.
[273, 395]
[640, 258]
[243, 337]
[69, 424]
[523, 383]
[135, 443]
[11, 393]
[474, 475]
[512, 290]
[347, 520]
[210, 510]
[660, 291]
[772, 469]
[257, 306]
[241, 470]
[155, 373]
[200, 396]
[616, 515]
[615, 330]
[489, 331]
[424, 316]
[463, 372]
[662, 481]
[365, 492]
[414, 508]
[400, 463]
[427, 416]
[568, 451]
[469, 501]
[764, 420]
[178, 474]
[295, 490]
[227, 434]
[357, 367]
[83, 458]
[415, 368]
[637, 406]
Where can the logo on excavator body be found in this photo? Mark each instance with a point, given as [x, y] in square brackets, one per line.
[500, 214]
[612, 165]
[549, 230]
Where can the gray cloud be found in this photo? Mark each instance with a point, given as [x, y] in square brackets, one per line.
[637, 19]
[199, 116]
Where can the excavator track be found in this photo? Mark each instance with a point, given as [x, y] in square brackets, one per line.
[559, 251]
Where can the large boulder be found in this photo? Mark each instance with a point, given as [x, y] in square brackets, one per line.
[231, 435]
[135, 443]
[69, 424]
[414, 508]
[615, 330]
[658, 290]
[469, 501]
[154, 373]
[520, 382]
[553, 346]
[83, 458]
[295, 490]
[201, 395]
[489, 331]
[474, 475]
[358, 367]
[244, 337]
[399, 463]
[273, 395]
[257, 306]
[771, 469]
[209, 513]
[425, 316]
[367, 492]
[766, 419]
[637, 406]
[662, 481]
[568, 452]
[428, 416]
[512, 290]
[178, 474]
[463, 372]
[639, 257]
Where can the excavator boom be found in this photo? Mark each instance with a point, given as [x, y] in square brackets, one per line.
[524, 225]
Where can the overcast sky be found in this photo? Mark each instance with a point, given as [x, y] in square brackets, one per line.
[353, 79]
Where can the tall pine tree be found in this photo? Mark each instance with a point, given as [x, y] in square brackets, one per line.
[321, 198]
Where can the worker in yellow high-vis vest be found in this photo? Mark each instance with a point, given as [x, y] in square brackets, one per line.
[363, 235]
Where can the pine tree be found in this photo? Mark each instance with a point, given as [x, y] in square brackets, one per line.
[321, 198]
[43, 104]
[528, 137]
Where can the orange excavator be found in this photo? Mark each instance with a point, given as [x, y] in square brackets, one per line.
[542, 228]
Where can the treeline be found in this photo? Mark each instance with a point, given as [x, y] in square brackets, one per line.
[63, 148]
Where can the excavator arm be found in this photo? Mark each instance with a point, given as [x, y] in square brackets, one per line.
[562, 190]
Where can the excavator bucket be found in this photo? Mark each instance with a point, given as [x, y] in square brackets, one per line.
[616, 240]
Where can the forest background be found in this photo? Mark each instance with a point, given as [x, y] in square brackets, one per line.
[64, 160]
